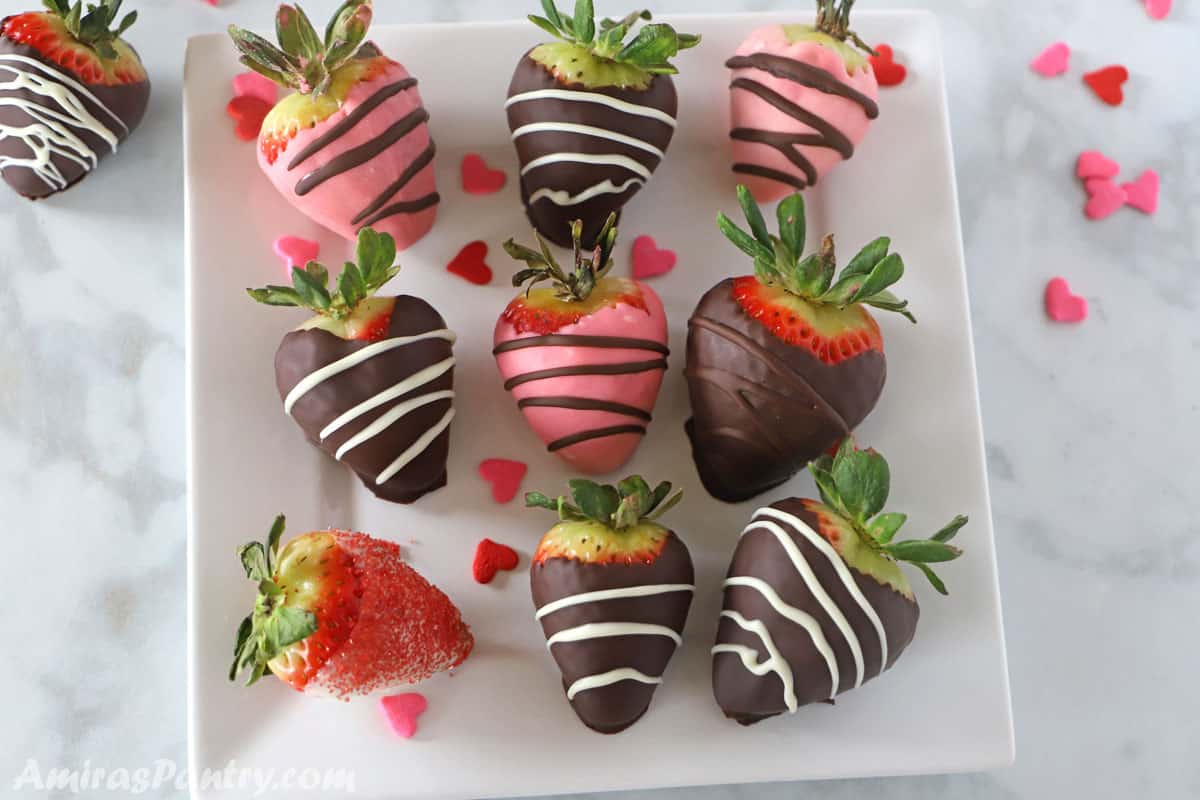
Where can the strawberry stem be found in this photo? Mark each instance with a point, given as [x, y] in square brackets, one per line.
[629, 503]
[650, 50]
[95, 28]
[577, 286]
[833, 19]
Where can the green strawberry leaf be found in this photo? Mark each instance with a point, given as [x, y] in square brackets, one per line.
[243, 635]
[255, 561]
[952, 528]
[742, 240]
[659, 510]
[296, 34]
[933, 578]
[754, 217]
[889, 302]
[660, 493]
[285, 626]
[618, 507]
[552, 13]
[596, 501]
[883, 275]
[546, 25]
[311, 290]
[925, 551]
[651, 48]
[862, 479]
[319, 273]
[792, 223]
[885, 526]
[585, 21]
[277, 296]
[273, 537]
[868, 257]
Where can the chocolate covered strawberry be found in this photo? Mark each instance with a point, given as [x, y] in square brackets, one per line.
[369, 379]
[585, 356]
[802, 98]
[591, 116]
[71, 90]
[783, 364]
[341, 614]
[350, 148]
[612, 589]
[815, 600]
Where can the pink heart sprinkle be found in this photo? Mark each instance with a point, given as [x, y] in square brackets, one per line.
[1094, 164]
[1054, 60]
[402, 710]
[505, 477]
[1062, 305]
[649, 260]
[1142, 194]
[251, 84]
[1105, 198]
[1158, 9]
[296, 251]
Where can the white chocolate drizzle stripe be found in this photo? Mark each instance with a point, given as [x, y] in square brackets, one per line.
[608, 678]
[624, 162]
[586, 130]
[65, 79]
[416, 448]
[814, 585]
[402, 388]
[801, 618]
[774, 663]
[612, 594]
[393, 416]
[572, 96]
[328, 371]
[843, 572]
[601, 630]
[565, 198]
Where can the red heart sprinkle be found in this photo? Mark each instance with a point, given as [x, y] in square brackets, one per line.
[649, 260]
[505, 477]
[1107, 83]
[1062, 305]
[249, 112]
[469, 264]
[888, 71]
[479, 178]
[1142, 194]
[490, 558]
[402, 710]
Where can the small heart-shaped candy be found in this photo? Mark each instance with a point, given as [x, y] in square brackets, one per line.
[490, 558]
[249, 112]
[479, 178]
[1054, 60]
[1158, 9]
[1094, 164]
[402, 710]
[888, 71]
[649, 260]
[296, 252]
[251, 84]
[1105, 198]
[504, 475]
[1062, 305]
[470, 264]
[1107, 83]
[1142, 194]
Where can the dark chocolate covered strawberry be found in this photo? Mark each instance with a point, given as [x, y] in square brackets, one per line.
[369, 379]
[612, 589]
[591, 116]
[802, 98]
[815, 600]
[71, 90]
[783, 364]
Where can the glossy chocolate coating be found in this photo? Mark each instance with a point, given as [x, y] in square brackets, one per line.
[762, 409]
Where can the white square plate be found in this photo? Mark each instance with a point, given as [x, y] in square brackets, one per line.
[500, 726]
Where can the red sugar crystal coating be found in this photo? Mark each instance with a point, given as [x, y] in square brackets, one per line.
[407, 628]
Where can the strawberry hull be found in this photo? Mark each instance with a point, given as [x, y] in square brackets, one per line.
[797, 111]
[368, 164]
[588, 390]
[810, 624]
[55, 129]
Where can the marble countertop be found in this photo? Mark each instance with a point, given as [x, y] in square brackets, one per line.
[1091, 430]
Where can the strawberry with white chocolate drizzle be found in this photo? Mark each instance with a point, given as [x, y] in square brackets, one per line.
[369, 379]
[784, 363]
[350, 148]
[802, 98]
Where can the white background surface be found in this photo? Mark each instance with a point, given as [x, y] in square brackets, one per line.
[1091, 431]
[503, 713]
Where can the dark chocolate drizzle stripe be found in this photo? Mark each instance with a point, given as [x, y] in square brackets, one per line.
[356, 156]
[598, 433]
[630, 368]
[566, 340]
[418, 164]
[771, 174]
[353, 118]
[406, 207]
[831, 136]
[789, 69]
[584, 404]
[785, 143]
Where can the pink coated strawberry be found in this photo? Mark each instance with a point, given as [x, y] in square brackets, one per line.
[585, 357]
[802, 98]
[351, 147]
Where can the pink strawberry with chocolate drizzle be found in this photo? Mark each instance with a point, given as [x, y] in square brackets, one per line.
[584, 358]
[351, 147]
[802, 99]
